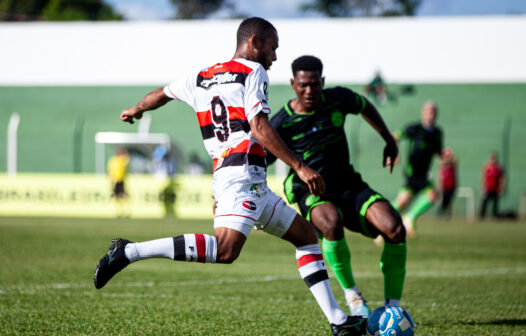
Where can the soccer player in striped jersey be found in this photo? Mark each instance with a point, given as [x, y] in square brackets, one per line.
[312, 125]
[230, 101]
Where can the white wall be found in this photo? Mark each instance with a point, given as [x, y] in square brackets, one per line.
[476, 49]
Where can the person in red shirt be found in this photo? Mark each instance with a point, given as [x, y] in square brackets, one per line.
[447, 177]
[493, 182]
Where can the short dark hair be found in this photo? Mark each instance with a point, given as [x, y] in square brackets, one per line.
[307, 63]
[253, 25]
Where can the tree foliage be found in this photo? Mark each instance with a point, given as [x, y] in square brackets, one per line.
[56, 10]
[199, 9]
[347, 8]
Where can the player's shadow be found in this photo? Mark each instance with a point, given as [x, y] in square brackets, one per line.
[508, 322]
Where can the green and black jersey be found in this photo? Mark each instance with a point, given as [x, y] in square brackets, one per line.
[318, 137]
[423, 144]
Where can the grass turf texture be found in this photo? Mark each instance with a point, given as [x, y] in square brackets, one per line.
[462, 279]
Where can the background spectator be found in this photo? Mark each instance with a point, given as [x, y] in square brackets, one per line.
[493, 183]
[447, 177]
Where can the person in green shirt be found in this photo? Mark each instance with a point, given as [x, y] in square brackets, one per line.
[312, 126]
[425, 141]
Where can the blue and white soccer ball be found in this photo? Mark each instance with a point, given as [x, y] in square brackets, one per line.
[390, 320]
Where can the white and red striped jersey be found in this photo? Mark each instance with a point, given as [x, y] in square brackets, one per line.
[225, 97]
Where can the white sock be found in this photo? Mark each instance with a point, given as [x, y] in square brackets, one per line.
[351, 292]
[312, 270]
[159, 248]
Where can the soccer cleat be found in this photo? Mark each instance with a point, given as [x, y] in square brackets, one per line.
[112, 262]
[358, 305]
[409, 226]
[355, 325]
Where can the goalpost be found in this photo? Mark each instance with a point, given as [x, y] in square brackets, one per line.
[118, 138]
[12, 144]
[142, 137]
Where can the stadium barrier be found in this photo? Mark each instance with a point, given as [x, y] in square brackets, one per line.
[84, 195]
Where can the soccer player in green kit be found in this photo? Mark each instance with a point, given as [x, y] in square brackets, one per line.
[425, 141]
[312, 125]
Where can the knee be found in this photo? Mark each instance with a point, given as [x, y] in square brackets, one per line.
[331, 227]
[395, 232]
[227, 251]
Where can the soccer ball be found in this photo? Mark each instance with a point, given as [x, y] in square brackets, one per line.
[390, 320]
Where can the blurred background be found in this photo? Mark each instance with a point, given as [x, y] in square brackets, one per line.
[68, 67]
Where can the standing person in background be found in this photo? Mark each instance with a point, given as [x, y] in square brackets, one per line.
[425, 141]
[312, 125]
[118, 171]
[377, 89]
[230, 100]
[447, 177]
[493, 183]
[163, 168]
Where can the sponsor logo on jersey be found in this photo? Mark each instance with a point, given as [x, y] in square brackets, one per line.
[221, 78]
[255, 172]
[249, 205]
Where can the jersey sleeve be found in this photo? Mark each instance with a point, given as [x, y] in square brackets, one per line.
[182, 90]
[354, 103]
[256, 93]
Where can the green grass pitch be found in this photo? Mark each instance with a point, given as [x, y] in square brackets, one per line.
[462, 279]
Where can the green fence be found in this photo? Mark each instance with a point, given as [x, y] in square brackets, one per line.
[58, 125]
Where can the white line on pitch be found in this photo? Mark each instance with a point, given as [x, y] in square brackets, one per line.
[32, 289]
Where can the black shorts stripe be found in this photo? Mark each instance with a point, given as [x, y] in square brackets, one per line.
[236, 125]
[179, 249]
[316, 277]
[240, 159]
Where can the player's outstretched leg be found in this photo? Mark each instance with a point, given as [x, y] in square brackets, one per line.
[312, 269]
[338, 256]
[188, 247]
[326, 217]
[112, 262]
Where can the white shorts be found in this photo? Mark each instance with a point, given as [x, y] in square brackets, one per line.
[242, 207]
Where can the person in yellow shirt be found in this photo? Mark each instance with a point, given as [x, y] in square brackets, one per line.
[117, 171]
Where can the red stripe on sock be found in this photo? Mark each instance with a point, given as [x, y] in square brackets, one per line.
[200, 244]
[307, 259]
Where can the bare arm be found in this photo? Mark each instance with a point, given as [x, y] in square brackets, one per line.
[151, 101]
[371, 115]
[270, 139]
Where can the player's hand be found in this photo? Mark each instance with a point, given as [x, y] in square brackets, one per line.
[129, 114]
[390, 155]
[313, 180]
